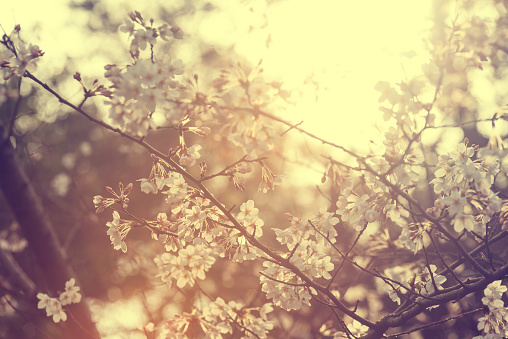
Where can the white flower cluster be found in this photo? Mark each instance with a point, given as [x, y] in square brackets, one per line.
[242, 127]
[11, 240]
[53, 306]
[138, 89]
[188, 265]
[460, 181]
[159, 178]
[258, 326]
[472, 40]
[25, 59]
[253, 136]
[191, 155]
[426, 280]
[401, 274]
[196, 222]
[268, 179]
[356, 330]
[177, 193]
[308, 243]
[358, 210]
[377, 203]
[423, 281]
[235, 245]
[284, 286]
[322, 225]
[494, 324]
[117, 231]
[218, 318]
[146, 34]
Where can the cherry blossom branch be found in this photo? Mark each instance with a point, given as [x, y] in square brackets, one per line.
[233, 320]
[437, 323]
[377, 327]
[394, 320]
[430, 218]
[207, 194]
[373, 273]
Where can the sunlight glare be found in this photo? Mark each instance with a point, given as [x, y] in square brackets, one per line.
[332, 51]
[348, 47]
[120, 315]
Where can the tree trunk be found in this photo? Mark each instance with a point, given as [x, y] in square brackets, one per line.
[42, 239]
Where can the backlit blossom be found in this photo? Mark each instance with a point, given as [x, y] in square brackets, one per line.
[247, 210]
[117, 232]
[53, 306]
[71, 294]
[188, 265]
[455, 201]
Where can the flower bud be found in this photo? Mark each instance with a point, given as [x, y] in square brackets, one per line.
[371, 215]
[128, 188]
[177, 32]
[244, 169]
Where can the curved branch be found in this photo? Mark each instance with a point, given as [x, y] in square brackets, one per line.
[207, 194]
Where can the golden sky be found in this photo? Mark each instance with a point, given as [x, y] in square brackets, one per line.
[346, 45]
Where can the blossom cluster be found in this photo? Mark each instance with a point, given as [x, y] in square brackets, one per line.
[401, 101]
[193, 220]
[19, 57]
[399, 167]
[137, 90]
[494, 323]
[282, 284]
[242, 93]
[217, 318]
[319, 228]
[428, 280]
[190, 263]
[356, 329]
[117, 231]
[145, 34]
[460, 181]
[235, 244]
[404, 279]
[54, 307]
[472, 41]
